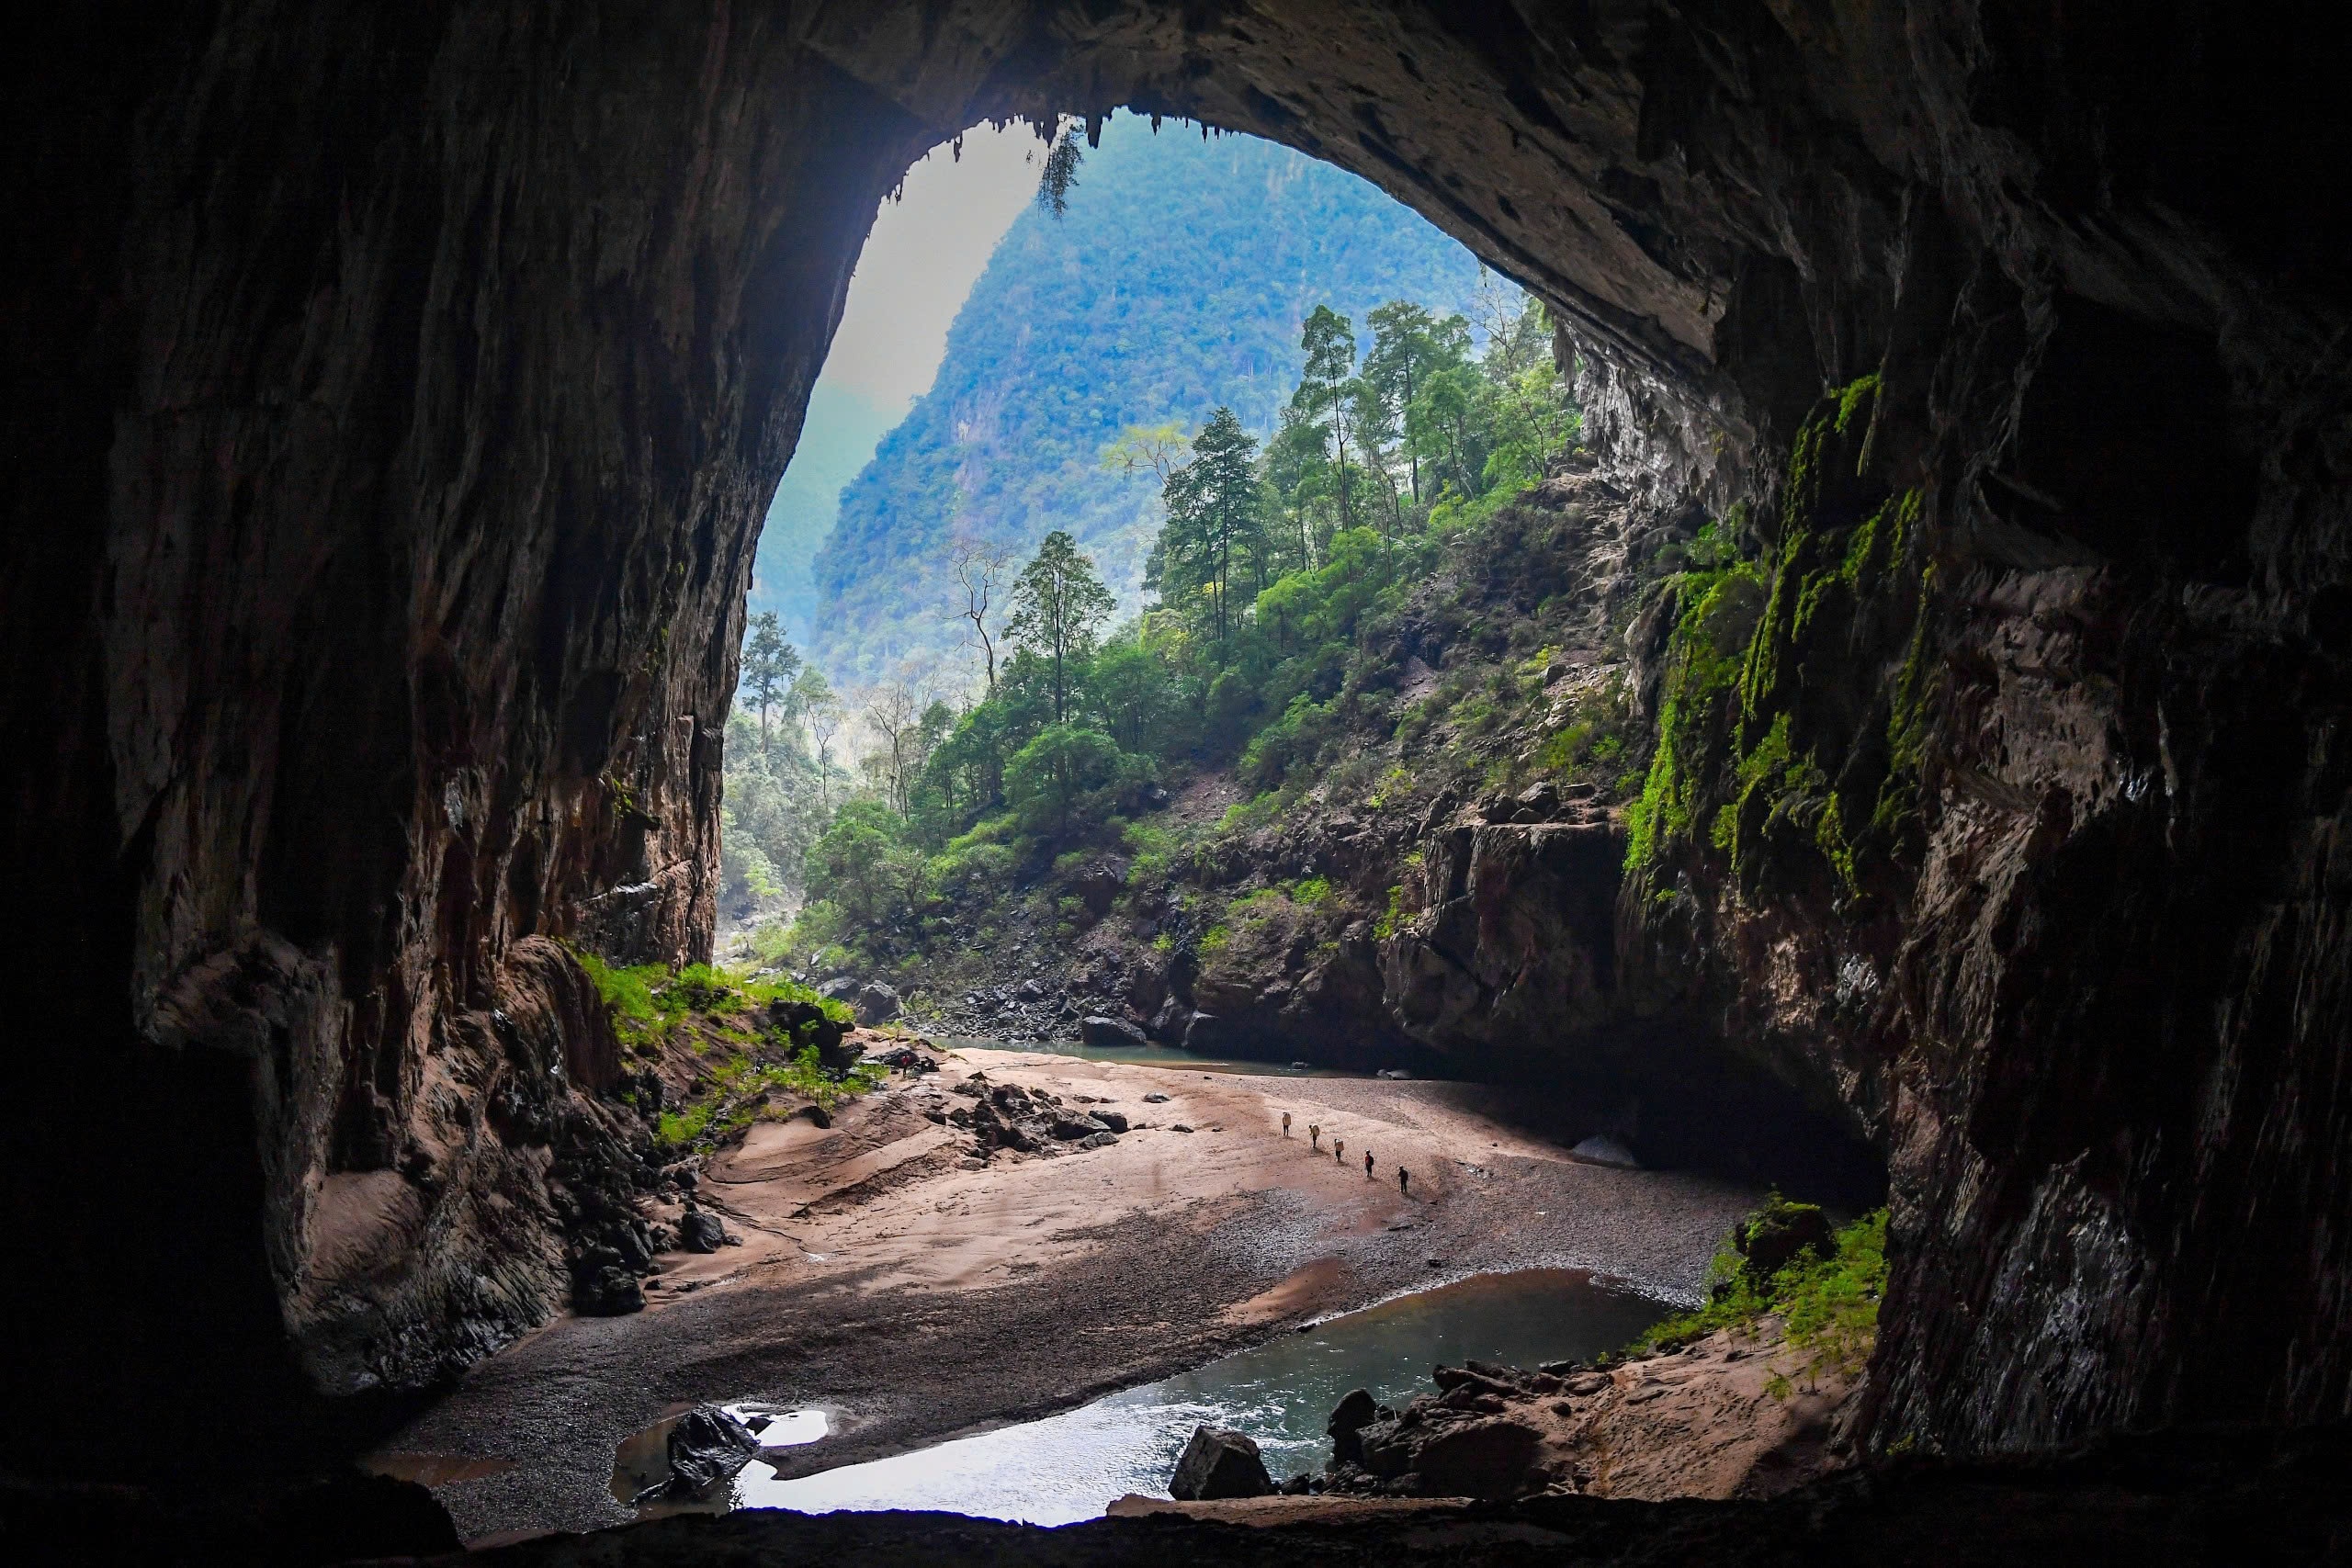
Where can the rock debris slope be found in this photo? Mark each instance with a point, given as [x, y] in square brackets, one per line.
[395, 397]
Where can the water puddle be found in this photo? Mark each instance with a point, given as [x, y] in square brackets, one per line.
[1069, 1467]
[641, 1463]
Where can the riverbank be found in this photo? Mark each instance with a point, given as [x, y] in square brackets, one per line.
[916, 1292]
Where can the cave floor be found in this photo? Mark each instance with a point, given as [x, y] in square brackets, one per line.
[916, 1293]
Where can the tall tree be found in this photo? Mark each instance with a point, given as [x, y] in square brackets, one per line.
[1329, 340]
[979, 567]
[820, 711]
[1404, 348]
[769, 665]
[1057, 601]
[1213, 514]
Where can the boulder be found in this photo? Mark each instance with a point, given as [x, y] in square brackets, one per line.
[1169, 1021]
[1204, 1032]
[708, 1446]
[1070, 1126]
[1216, 1464]
[1099, 883]
[1539, 803]
[840, 988]
[701, 1231]
[878, 1003]
[1772, 1237]
[1354, 1414]
[1114, 1120]
[609, 1291]
[1098, 1140]
[1110, 1031]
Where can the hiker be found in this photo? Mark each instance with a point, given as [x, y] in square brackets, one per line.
[1404, 1181]
[1315, 1135]
[1340, 1150]
[1367, 1165]
[1286, 1123]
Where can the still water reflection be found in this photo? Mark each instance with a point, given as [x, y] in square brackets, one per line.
[1069, 1467]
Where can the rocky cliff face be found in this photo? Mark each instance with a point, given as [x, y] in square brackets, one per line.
[395, 401]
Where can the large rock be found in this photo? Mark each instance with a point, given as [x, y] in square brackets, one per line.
[1112, 1032]
[1770, 1240]
[877, 1002]
[699, 1230]
[1218, 1463]
[708, 1446]
[1349, 1419]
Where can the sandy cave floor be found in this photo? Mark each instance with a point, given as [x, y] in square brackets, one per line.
[916, 1295]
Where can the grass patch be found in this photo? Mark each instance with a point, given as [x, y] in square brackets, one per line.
[1828, 1306]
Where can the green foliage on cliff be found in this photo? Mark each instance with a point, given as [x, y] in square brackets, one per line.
[647, 1000]
[1774, 736]
[1828, 1306]
[742, 1058]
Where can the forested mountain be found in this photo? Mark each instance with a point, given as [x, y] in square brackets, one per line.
[836, 439]
[1175, 282]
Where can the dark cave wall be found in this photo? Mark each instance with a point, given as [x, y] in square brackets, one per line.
[398, 397]
[403, 444]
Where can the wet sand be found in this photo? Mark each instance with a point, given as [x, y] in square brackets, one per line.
[916, 1293]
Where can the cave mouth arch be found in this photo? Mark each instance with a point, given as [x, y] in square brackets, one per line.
[400, 438]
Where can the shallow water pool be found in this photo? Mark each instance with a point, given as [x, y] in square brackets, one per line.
[1069, 1467]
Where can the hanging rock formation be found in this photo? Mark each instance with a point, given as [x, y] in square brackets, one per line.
[395, 395]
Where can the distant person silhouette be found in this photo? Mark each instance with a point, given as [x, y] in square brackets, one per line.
[1339, 1149]
[1315, 1135]
[1367, 1165]
[1404, 1181]
[1286, 1123]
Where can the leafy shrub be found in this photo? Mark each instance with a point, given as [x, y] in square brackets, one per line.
[1828, 1306]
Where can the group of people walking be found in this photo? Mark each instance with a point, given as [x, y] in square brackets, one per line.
[1339, 1153]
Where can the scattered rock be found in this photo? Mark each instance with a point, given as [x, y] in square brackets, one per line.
[707, 1445]
[1069, 1127]
[840, 988]
[1180, 1127]
[701, 1231]
[878, 1003]
[609, 1291]
[1101, 1030]
[1218, 1463]
[1155, 1099]
[1114, 1120]
[1102, 1140]
[1393, 1072]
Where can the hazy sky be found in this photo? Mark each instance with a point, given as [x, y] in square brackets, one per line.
[926, 252]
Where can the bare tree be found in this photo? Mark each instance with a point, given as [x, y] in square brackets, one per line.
[823, 713]
[894, 711]
[980, 568]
